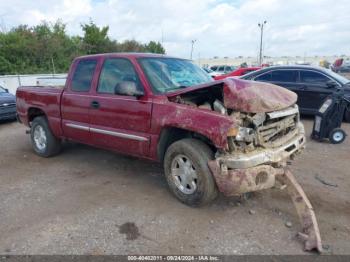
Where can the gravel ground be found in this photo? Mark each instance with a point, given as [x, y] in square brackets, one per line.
[91, 201]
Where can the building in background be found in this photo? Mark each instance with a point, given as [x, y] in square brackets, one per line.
[253, 61]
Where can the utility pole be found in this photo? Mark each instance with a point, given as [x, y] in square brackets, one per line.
[192, 44]
[261, 25]
[53, 67]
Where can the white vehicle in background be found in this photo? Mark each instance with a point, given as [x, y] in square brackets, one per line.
[221, 70]
[51, 81]
[209, 71]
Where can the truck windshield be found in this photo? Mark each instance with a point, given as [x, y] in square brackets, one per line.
[169, 74]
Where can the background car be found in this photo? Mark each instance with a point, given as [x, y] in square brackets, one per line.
[340, 65]
[7, 105]
[221, 70]
[209, 71]
[312, 84]
[238, 72]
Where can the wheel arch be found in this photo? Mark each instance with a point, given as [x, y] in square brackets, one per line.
[34, 112]
[171, 134]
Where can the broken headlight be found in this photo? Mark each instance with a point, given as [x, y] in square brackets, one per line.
[241, 133]
[245, 134]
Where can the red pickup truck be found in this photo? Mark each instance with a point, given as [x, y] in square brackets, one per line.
[231, 135]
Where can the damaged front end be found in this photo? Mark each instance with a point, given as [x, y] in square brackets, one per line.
[267, 132]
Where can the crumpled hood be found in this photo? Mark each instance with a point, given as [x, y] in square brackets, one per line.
[256, 97]
[245, 96]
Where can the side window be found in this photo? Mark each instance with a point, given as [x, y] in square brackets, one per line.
[114, 72]
[264, 77]
[221, 69]
[83, 75]
[312, 77]
[289, 76]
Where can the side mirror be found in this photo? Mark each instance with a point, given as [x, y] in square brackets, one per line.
[128, 88]
[331, 84]
[6, 90]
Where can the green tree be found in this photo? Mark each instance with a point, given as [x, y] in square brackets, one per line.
[130, 46]
[47, 47]
[95, 39]
[155, 47]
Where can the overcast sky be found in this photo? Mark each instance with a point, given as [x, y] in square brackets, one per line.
[221, 28]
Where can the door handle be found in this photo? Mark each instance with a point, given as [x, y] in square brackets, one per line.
[303, 87]
[95, 104]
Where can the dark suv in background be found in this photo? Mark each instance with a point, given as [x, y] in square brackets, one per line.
[7, 105]
[312, 84]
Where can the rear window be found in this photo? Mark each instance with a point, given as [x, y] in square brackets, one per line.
[83, 75]
[312, 77]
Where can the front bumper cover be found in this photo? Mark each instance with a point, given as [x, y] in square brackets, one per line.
[264, 155]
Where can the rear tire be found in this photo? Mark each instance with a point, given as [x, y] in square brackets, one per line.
[187, 172]
[44, 143]
[337, 136]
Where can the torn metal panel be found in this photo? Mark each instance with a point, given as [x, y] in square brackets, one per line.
[256, 97]
[239, 95]
[310, 231]
[239, 181]
[233, 182]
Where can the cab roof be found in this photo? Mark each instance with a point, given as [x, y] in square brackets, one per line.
[128, 55]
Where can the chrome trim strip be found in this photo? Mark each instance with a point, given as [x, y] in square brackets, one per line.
[117, 134]
[85, 128]
[107, 132]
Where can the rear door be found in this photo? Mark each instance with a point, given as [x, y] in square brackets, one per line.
[76, 99]
[120, 122]
[313, 90]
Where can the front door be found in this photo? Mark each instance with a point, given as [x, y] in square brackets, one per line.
[118, 121]
[313, 90]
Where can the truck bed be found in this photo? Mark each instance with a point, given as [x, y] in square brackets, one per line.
[47, 99]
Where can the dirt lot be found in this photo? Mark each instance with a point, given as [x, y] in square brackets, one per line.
[90, 201]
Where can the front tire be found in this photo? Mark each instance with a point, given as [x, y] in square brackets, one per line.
[187, 172]
[44, 143]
